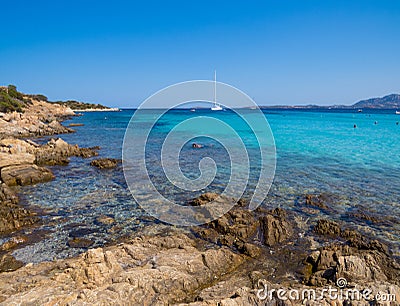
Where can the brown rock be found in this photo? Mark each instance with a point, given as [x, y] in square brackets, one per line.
[12, 216]
[147, 271]
[104, 220]
[7, 159]
[8, 263]
[360, 215]
[57, 152]
[25, 175]
[105, 163]
[326, 227]
[275, 229]
[79, 242]
[12, 243]
[204, 199]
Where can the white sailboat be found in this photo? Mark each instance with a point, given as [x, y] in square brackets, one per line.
[216, 106]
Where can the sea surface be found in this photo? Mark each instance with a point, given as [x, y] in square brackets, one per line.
[317, 151]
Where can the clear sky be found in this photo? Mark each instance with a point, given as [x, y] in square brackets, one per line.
[278, 52]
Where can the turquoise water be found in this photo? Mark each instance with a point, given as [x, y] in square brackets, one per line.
[317, 152]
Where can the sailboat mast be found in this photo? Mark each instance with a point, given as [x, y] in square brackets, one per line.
[215, 87]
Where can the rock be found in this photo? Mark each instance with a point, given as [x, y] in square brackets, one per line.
[317, 200]
[105, 163]
[7, 159]
[8, 263]
[275, 229]
[7, 196]
[80, 243]
[12, 243]
[360, 215]
[75, 124]
[80, 232]
[88, 152]
[38, 119]
[25, 175]
[248, 249]
[104, 220]
[204, 199]
[57, 152]
[235, 229]
[326, 227]
[16, 146]
[359, 269]
[12, 216]
[145, 271]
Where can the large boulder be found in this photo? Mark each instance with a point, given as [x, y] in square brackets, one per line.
[7, 159]
[25, 175]
[275, 228]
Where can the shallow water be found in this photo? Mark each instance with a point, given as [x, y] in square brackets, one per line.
[317, 151]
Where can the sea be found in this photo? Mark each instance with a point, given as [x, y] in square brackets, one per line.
[351, 157]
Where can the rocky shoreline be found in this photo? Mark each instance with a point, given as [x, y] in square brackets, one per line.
[230, 261]
[25, 162]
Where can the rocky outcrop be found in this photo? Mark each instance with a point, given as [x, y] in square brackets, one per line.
[105, 163]
[241, 229]
[357, 259]
[12, 216]
[145, 271]
[275, 228]
[57, 152]
[38, 119]
[22, 175]
[7, 159]
[327, 227]
[19, 166]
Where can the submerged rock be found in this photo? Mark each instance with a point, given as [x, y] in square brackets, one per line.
[79, 242]
[104, 220]
[326, 227]
[105, 163]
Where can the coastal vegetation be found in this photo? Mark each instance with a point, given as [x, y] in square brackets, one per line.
[76, 105]
[10, 99]
[13, 100]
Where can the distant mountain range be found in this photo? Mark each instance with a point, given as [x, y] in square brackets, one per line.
[387, 102]
[390, 101]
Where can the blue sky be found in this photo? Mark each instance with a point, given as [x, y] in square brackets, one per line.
[278, 52]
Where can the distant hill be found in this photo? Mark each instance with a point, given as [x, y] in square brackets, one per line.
[13, 100]
[390, 101]
[76, 105]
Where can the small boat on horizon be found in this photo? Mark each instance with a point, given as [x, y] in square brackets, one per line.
[397, 112]
[216, 106]
[360, 110]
